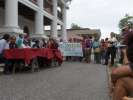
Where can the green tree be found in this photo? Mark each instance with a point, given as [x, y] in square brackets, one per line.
[75, 26]
[127, 20]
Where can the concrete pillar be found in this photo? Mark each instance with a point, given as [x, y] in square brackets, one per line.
[64, 31]
[40, 3]
[54, 22]
[39, 27]
[11, 13]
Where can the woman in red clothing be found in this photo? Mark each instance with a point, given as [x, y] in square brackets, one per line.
[52, 44]
[102, 51]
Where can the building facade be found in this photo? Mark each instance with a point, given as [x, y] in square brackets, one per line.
[83, 32]
[33, 17]
[79, 33]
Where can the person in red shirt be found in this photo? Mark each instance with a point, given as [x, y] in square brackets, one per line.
[88, 49]
[102, 50]
[52, 44]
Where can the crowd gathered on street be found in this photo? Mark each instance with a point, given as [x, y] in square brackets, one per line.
[116, 53]
[101, 50]
[113, 52]
[8, 42]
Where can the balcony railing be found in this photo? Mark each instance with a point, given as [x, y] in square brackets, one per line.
[48, 6]
[49, 10]
[34, 1]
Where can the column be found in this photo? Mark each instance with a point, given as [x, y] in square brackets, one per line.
[11, 13]
[39, 27]
[64, 31]
[40, 3]
[54, 22]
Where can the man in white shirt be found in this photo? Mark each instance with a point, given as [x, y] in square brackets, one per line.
[112, 42]
[4, 45]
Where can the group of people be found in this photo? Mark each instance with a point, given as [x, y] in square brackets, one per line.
[113, 49]
[12, 42]
[102, 50]
[110, 51]
[107, 52]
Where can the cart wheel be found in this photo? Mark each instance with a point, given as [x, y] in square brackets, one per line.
[34, 65]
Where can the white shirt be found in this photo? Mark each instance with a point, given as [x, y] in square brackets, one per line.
[112, 40]
[3, 45]
[40, 43]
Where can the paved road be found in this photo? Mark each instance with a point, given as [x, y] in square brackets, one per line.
[72, 81]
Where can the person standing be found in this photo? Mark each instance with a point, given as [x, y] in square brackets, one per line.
[102, 50]
[20, 41]
[111, 50]
[106, 48]
[88, 46]
[96, 48]
[4, 44]
[12, 45]
[83, 48]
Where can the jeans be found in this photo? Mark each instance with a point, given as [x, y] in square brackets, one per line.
[103, 52]
[88, 54]
[97, 58]
[110, 51]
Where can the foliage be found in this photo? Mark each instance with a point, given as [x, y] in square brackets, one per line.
[75, 26]
[127, 20]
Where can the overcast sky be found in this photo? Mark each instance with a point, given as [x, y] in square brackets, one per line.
[99, 14]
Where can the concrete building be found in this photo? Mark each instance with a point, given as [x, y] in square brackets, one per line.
[79, 33]
[33, 16]
[83, 32]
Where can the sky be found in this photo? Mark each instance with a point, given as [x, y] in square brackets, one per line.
[99, 14]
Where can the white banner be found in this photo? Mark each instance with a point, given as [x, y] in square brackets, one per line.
[71, 49]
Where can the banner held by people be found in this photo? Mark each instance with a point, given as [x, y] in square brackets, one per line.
[71, 49]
